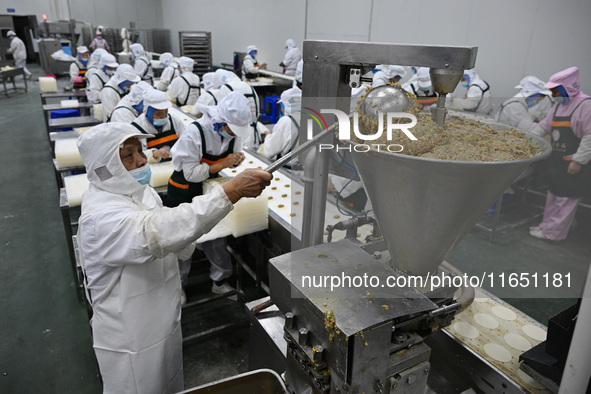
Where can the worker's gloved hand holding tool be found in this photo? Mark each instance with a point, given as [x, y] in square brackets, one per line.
[249, 183]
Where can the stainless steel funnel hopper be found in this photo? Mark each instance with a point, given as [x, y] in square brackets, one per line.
[445, 80]
[425, 207]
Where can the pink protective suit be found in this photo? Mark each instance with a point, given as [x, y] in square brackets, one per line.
[560, 211]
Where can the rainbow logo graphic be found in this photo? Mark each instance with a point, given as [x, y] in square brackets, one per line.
[315, 115]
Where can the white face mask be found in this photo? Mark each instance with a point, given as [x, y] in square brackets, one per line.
[160, 122]
[142, 174]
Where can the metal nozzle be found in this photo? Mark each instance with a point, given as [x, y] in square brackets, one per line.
[444, 81]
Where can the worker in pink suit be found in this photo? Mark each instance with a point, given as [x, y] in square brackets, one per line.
[569, 174]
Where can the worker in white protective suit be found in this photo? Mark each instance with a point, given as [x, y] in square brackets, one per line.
[170, 72]
[163, 128]
[254, 137]
[388, 74]
[413, 76]
[299, 74]
[206, 147]
[250, 65]
[132, 105]
[19, 52]
[478, 95]
[222, 76]
[284, 136]
[528, 107]
[99, 42]
[78, 68]
[292, 57]
[118, 87]
[142, 65]
[98, 79]
[213, 94]
[423, 89]
[185, 89]
[93, 64]
[210, 95]
[129, 248]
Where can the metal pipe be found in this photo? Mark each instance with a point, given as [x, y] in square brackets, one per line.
[308, 181]
[467, 296]
[319, 198]
[440, 111]
[577, 371]
[300, 149]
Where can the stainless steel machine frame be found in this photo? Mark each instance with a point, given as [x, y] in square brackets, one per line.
[348, 339]
[327, 68]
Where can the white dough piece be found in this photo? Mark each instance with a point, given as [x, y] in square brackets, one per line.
[534, 332]
[97, 110]
[504, 313]
[75, 186]
[67, 154]
[517, 342]
[466, 330]
[486, 320]
[48, 85]
[82, 130]
[497, 352]
[70, 103]
[161, 173]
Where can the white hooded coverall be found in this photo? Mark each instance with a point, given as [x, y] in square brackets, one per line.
[185, 89]
[142, 65]
[19, 52]
[129, 246]
[285, 133]
[236, 85]
[166, 78]
[292, 57]
[478, 96]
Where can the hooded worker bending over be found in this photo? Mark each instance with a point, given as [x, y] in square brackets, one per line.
[528, 107]
[284, 136]
[117, 88]
[132, 105]
[478, 95]
[97, 81]
[170, 72]
[142, 65]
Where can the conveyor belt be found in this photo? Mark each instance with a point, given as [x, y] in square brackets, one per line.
[499, 333]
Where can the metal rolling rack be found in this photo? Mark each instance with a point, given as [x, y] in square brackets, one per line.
[197, 46]
[113, 37]
[153, 40]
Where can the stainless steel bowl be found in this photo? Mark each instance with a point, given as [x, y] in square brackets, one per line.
[386, 98]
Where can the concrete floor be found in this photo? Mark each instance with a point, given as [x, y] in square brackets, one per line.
[46, 345]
